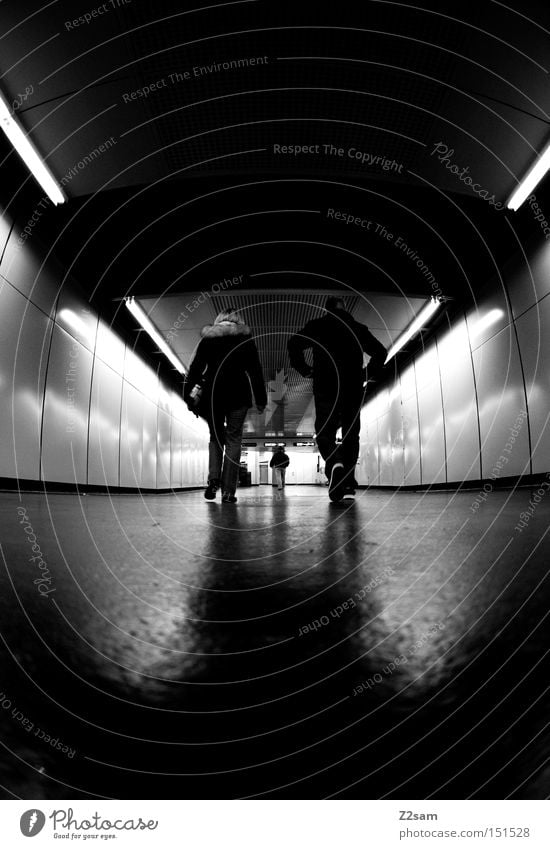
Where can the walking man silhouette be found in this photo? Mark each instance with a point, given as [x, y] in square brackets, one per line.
[279, 462]
[337, 342]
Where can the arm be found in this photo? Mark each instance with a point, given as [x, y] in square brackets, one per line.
[296, 345]
[256, 375]
[195, 370]
[375, 350]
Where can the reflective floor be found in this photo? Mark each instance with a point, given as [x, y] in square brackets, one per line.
[168, 647]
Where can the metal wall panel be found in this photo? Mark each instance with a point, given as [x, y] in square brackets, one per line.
[411, 430]
[23, 266]
[109, 347]
[131, 437]
[66, 409]
[430, 415]
[24, 343]
[140, 375]
[396, 436]
[528, 278]
[490, 316]
[459, 405]
[501, 402]
[104, 431]
[75, 316]
[533, 332]
[163, 450]
[149, 444]
[176, 431]
[5, 227]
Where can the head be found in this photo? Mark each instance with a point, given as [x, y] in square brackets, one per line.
[229, 315]
[333, 303]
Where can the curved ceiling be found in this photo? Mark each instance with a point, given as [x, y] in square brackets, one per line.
[363, 148]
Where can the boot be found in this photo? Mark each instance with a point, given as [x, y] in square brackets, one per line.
[211, 489]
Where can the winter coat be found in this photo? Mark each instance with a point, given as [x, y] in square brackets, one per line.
[229, 355]
[279, 460]
[337, 342]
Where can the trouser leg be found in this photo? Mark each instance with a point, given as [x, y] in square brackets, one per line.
[216, 426]
[351, 404]
[233, 439]
[283, 475]
[279, 478]
[327, 422]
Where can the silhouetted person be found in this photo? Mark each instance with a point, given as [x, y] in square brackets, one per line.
[337, 342]
[218, 388]
[279, 462]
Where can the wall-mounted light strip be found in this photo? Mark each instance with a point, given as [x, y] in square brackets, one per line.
[533, 177]
[143, 319]
[29, 154]
[415, 326]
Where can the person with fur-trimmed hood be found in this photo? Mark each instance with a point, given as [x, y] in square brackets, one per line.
[227, 369]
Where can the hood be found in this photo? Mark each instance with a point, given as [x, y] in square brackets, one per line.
[225, 328]
[341, 316]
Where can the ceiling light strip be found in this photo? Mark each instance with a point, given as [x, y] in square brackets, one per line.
[29, 154]
[143, 319]
[533, 177]
[414, 327]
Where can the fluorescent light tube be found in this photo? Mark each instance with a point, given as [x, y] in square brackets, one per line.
[533, 177]
[142, 318]
[423, 316]
[29, 154]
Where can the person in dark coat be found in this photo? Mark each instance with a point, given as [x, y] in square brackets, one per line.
[227, 368]
[337, 342]
[279, 462]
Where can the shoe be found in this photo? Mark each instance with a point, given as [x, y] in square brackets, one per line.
[228, 498]
[349, 493]
[336, 485]
[211, 489]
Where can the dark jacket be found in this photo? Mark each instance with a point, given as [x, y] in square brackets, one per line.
[279, 460]
[337, 342]
[228, 355]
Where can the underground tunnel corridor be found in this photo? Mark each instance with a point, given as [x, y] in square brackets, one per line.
[345, 205]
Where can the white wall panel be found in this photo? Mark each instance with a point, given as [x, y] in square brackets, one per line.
[385, 448]
[149, 444]
[459, 405]
[430, 415]
[361, 473]
[140, 375]
[109, 347]
[490, 316]
[501, 399]
[104, 434]
[533, 333]
[75, 315]
[411, 430]
[176, 433]
[23, 267]
[5, 227]
[24, 343]
[163, 450]
[528, 278]
[131, 437]
[396, 436]
[66, 409]
[302, 468]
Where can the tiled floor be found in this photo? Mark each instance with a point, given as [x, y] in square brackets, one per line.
[167, 647]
